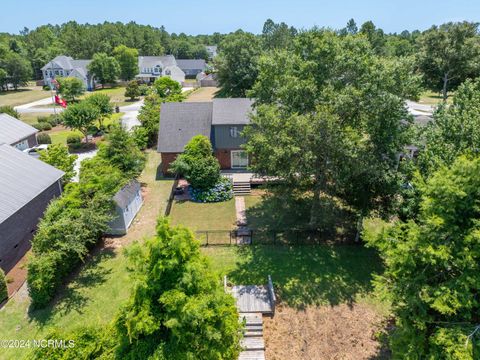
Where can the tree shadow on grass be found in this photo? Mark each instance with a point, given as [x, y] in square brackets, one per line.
[309, 275]
[71, 296]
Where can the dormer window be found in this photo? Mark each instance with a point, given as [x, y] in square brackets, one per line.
[158, 69]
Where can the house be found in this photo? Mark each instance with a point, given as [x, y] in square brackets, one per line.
[128, 201]
[207, 80]
[63, 66]
[211, 50]
[192, 67]
[152, 67]
[221, 120]
[27, 186]
[16, 133]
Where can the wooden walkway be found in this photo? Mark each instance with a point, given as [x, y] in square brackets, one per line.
[252, 298]
[252, 344]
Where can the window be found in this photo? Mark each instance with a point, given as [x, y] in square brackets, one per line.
[233, 131]
[22, 145]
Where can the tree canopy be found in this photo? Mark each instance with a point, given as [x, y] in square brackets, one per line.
[80, 117]
[105, 68]
[127, 58]
[432, 267]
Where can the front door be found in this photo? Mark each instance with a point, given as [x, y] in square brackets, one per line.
[239, 159]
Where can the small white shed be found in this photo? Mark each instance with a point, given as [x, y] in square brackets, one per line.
[128, 201]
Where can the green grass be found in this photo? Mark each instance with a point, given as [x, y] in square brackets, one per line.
[116, 94]
[22, 96]
[433, 98]
[60, 137]
[200, 216]
[95, 295]
[32, 118]
[303, 275]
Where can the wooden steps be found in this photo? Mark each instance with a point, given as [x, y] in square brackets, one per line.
[252, 344]
[242, 187]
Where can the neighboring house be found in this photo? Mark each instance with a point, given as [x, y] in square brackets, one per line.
[128, 201]
[221, 120]
[211, 50]
[16, 133]
[207, 80]
[152, 67]
[27, 186]
[192, 67]
[63, 66]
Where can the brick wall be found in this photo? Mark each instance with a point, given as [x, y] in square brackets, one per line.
[167, 158]
[17, 231]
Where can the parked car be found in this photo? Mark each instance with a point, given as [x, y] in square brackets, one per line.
[35, 151]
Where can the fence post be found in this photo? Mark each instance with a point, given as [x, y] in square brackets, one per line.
[206, 233]
[230, 234]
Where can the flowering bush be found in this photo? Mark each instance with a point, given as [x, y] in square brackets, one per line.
[222, 191]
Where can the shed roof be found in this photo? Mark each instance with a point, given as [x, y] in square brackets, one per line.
[193, 64]
[126, 194]
[179, 122]
[22, 179]
[234, 111]
[13, 130]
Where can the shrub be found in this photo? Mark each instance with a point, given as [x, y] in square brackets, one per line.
[222, 191]
[3, 286]
[197, 164]
[57, 155]
[143, 89]
[74, 139]
[43, 126]
[6, 109]
[42, 119]
[140, 137]
[132, 90]
[43, 138]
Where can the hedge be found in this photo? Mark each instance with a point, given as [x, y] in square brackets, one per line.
[3, 286]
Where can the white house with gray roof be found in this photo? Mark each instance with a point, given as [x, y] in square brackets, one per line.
[63, 66]
[128, 201]
[16, 133]
[152, 67]
[221, 120]
[27, 186]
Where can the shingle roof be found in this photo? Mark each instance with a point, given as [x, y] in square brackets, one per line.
[152, 61]
[124, 196]
[62, 61]
[22, 179]
[192, 64]
[13, 130]
[179, 122]
[234, 111]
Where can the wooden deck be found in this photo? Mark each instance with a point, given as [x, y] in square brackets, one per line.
[252, 298]
[253, 345]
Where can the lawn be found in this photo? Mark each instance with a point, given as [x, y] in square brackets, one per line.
[202, 94]
[116, 94]
[32, 118]
[22, 96]
[94, 296]
[434, 98]
[200, 216]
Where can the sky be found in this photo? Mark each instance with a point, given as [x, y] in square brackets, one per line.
[208, 16]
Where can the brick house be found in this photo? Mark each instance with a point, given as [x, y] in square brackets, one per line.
[27, 186]
[221, 120]
[16, 133]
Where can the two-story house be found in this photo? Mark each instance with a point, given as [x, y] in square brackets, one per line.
[152, 67]
[65, 66]
[221, 120]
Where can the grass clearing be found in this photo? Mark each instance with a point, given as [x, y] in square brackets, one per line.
[202, 94]
[23, 96]
[116, 94]
[434, 98]
[204, 216]
[95, 295]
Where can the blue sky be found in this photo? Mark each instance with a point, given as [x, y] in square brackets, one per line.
[208, 16]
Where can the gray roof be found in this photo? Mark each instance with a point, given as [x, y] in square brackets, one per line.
[152, 61]
[13, 130]
[67, 63]
[22, 179]
[192, 64]
[234, 111]
[126, 194]
[179, 122]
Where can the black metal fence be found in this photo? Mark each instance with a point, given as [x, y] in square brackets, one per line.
[265, 237]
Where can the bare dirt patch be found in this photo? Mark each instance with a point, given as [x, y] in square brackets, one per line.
[325, 332]
[202, 94]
